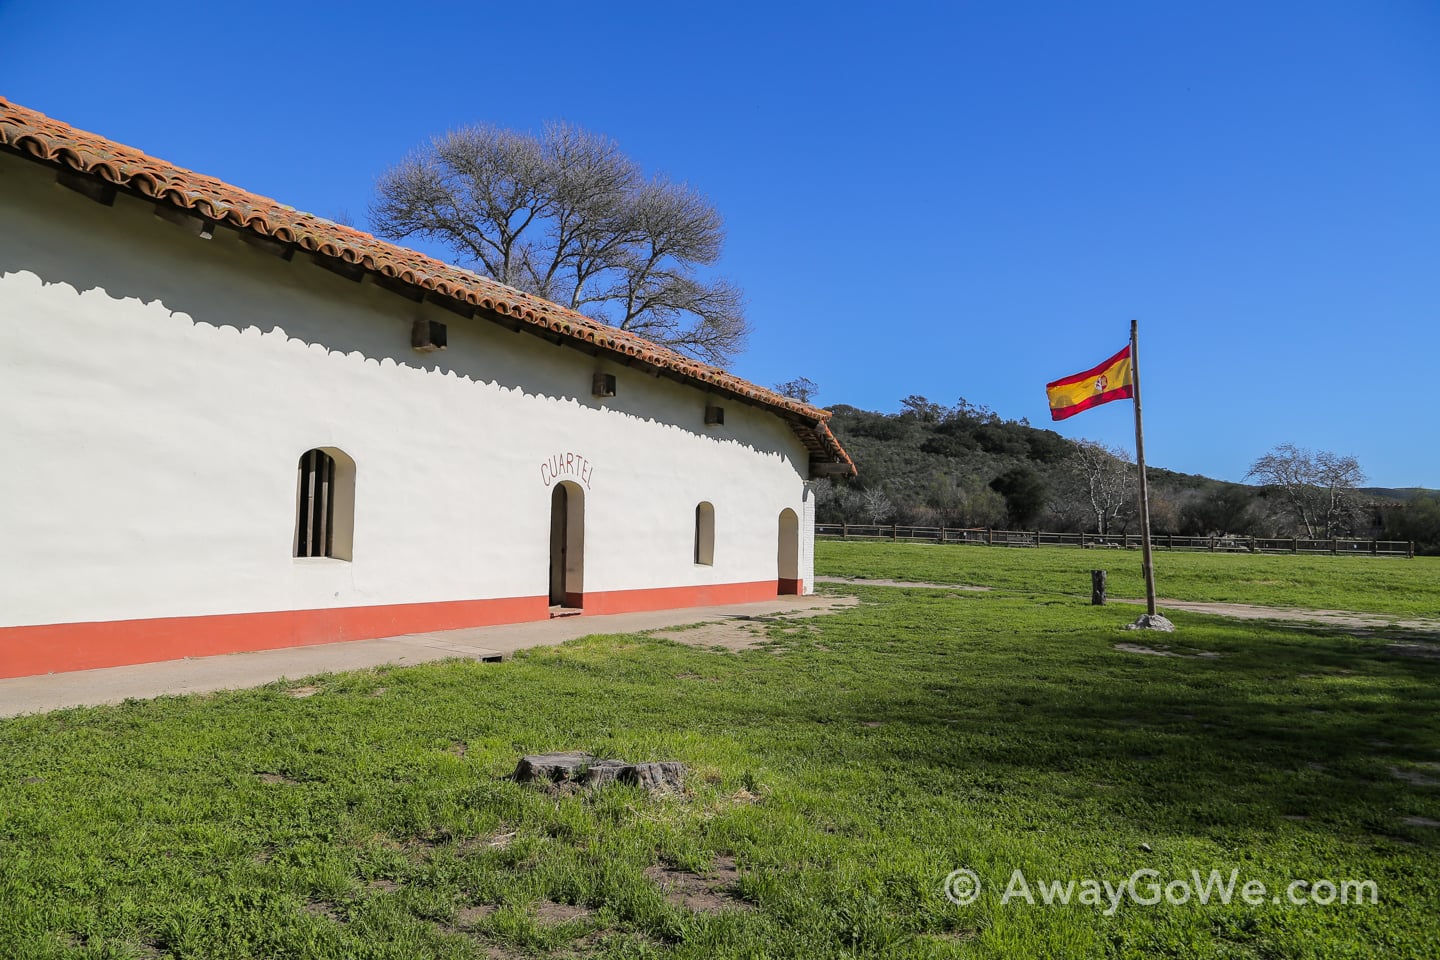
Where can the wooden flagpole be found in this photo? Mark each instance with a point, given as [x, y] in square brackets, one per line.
[1147, 561]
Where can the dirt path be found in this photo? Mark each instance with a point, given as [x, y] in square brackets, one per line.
[741, 624]
[1421, 633]
[741, 632]
[1344, 619]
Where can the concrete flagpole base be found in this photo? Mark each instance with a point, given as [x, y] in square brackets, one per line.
[1149, 621]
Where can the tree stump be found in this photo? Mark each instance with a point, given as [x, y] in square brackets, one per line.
[584, 770]
[552, 767]
[665, 776]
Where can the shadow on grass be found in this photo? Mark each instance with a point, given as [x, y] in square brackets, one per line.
[1288, 722]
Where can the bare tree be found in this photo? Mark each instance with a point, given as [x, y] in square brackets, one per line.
[1319, 487]
[877, 505]
[1103, 475]
[823, 490]
[923, 409]
[801, 388]
[568, 217]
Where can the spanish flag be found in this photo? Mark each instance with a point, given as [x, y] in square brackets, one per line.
[1111, 380]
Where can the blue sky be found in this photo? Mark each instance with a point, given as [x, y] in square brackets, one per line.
[963, 199]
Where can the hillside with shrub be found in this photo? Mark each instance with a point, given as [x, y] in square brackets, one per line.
[965, 466]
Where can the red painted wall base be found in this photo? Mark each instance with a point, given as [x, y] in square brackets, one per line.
[60, 647]
[670, 598]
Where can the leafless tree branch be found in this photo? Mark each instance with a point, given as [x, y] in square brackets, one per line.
[567, 216]
[1319, 487]
[1103, 474]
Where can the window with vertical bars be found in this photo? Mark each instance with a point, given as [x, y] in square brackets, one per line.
[315, 514]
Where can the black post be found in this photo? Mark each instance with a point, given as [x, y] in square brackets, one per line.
[1097, 588]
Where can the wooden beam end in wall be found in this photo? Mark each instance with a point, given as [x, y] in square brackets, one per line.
[92, 187]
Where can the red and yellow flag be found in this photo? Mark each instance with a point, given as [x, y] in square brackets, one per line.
[1111, 380]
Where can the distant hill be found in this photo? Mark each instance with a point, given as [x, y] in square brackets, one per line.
[966, 466]
[1397, 494]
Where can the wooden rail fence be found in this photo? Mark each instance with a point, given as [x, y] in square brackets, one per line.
[987, 537]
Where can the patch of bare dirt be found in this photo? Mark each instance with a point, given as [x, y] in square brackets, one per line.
[458, 747]
[473, 914]
[1419, 822]
[1164, 652]
[277, 778]
[299, 692]
[745, 632]
[379, 886]
[712, 892]
[551, 912]
[324, 908]
[1363, 624]
[727, 634]
[467, 919]
[586, 946]
[1415, 776]
[421, 848]
[1425, 651]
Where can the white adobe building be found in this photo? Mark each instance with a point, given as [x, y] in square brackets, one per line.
[233, 426]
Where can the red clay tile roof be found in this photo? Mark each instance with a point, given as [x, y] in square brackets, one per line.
[35, 135]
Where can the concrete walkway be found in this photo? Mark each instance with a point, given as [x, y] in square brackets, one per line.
[235, 671]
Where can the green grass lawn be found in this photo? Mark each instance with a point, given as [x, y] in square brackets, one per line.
[1395, 585]
[845, 767]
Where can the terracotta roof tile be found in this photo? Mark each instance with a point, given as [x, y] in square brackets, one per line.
[35, 135]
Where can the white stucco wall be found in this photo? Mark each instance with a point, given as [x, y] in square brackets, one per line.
[159, 389]
[807, 541]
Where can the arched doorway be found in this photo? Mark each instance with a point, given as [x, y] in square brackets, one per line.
[567, 545]
[788, 553]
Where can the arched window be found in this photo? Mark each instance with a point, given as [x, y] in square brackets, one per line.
[705, 534]
[325, 504]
